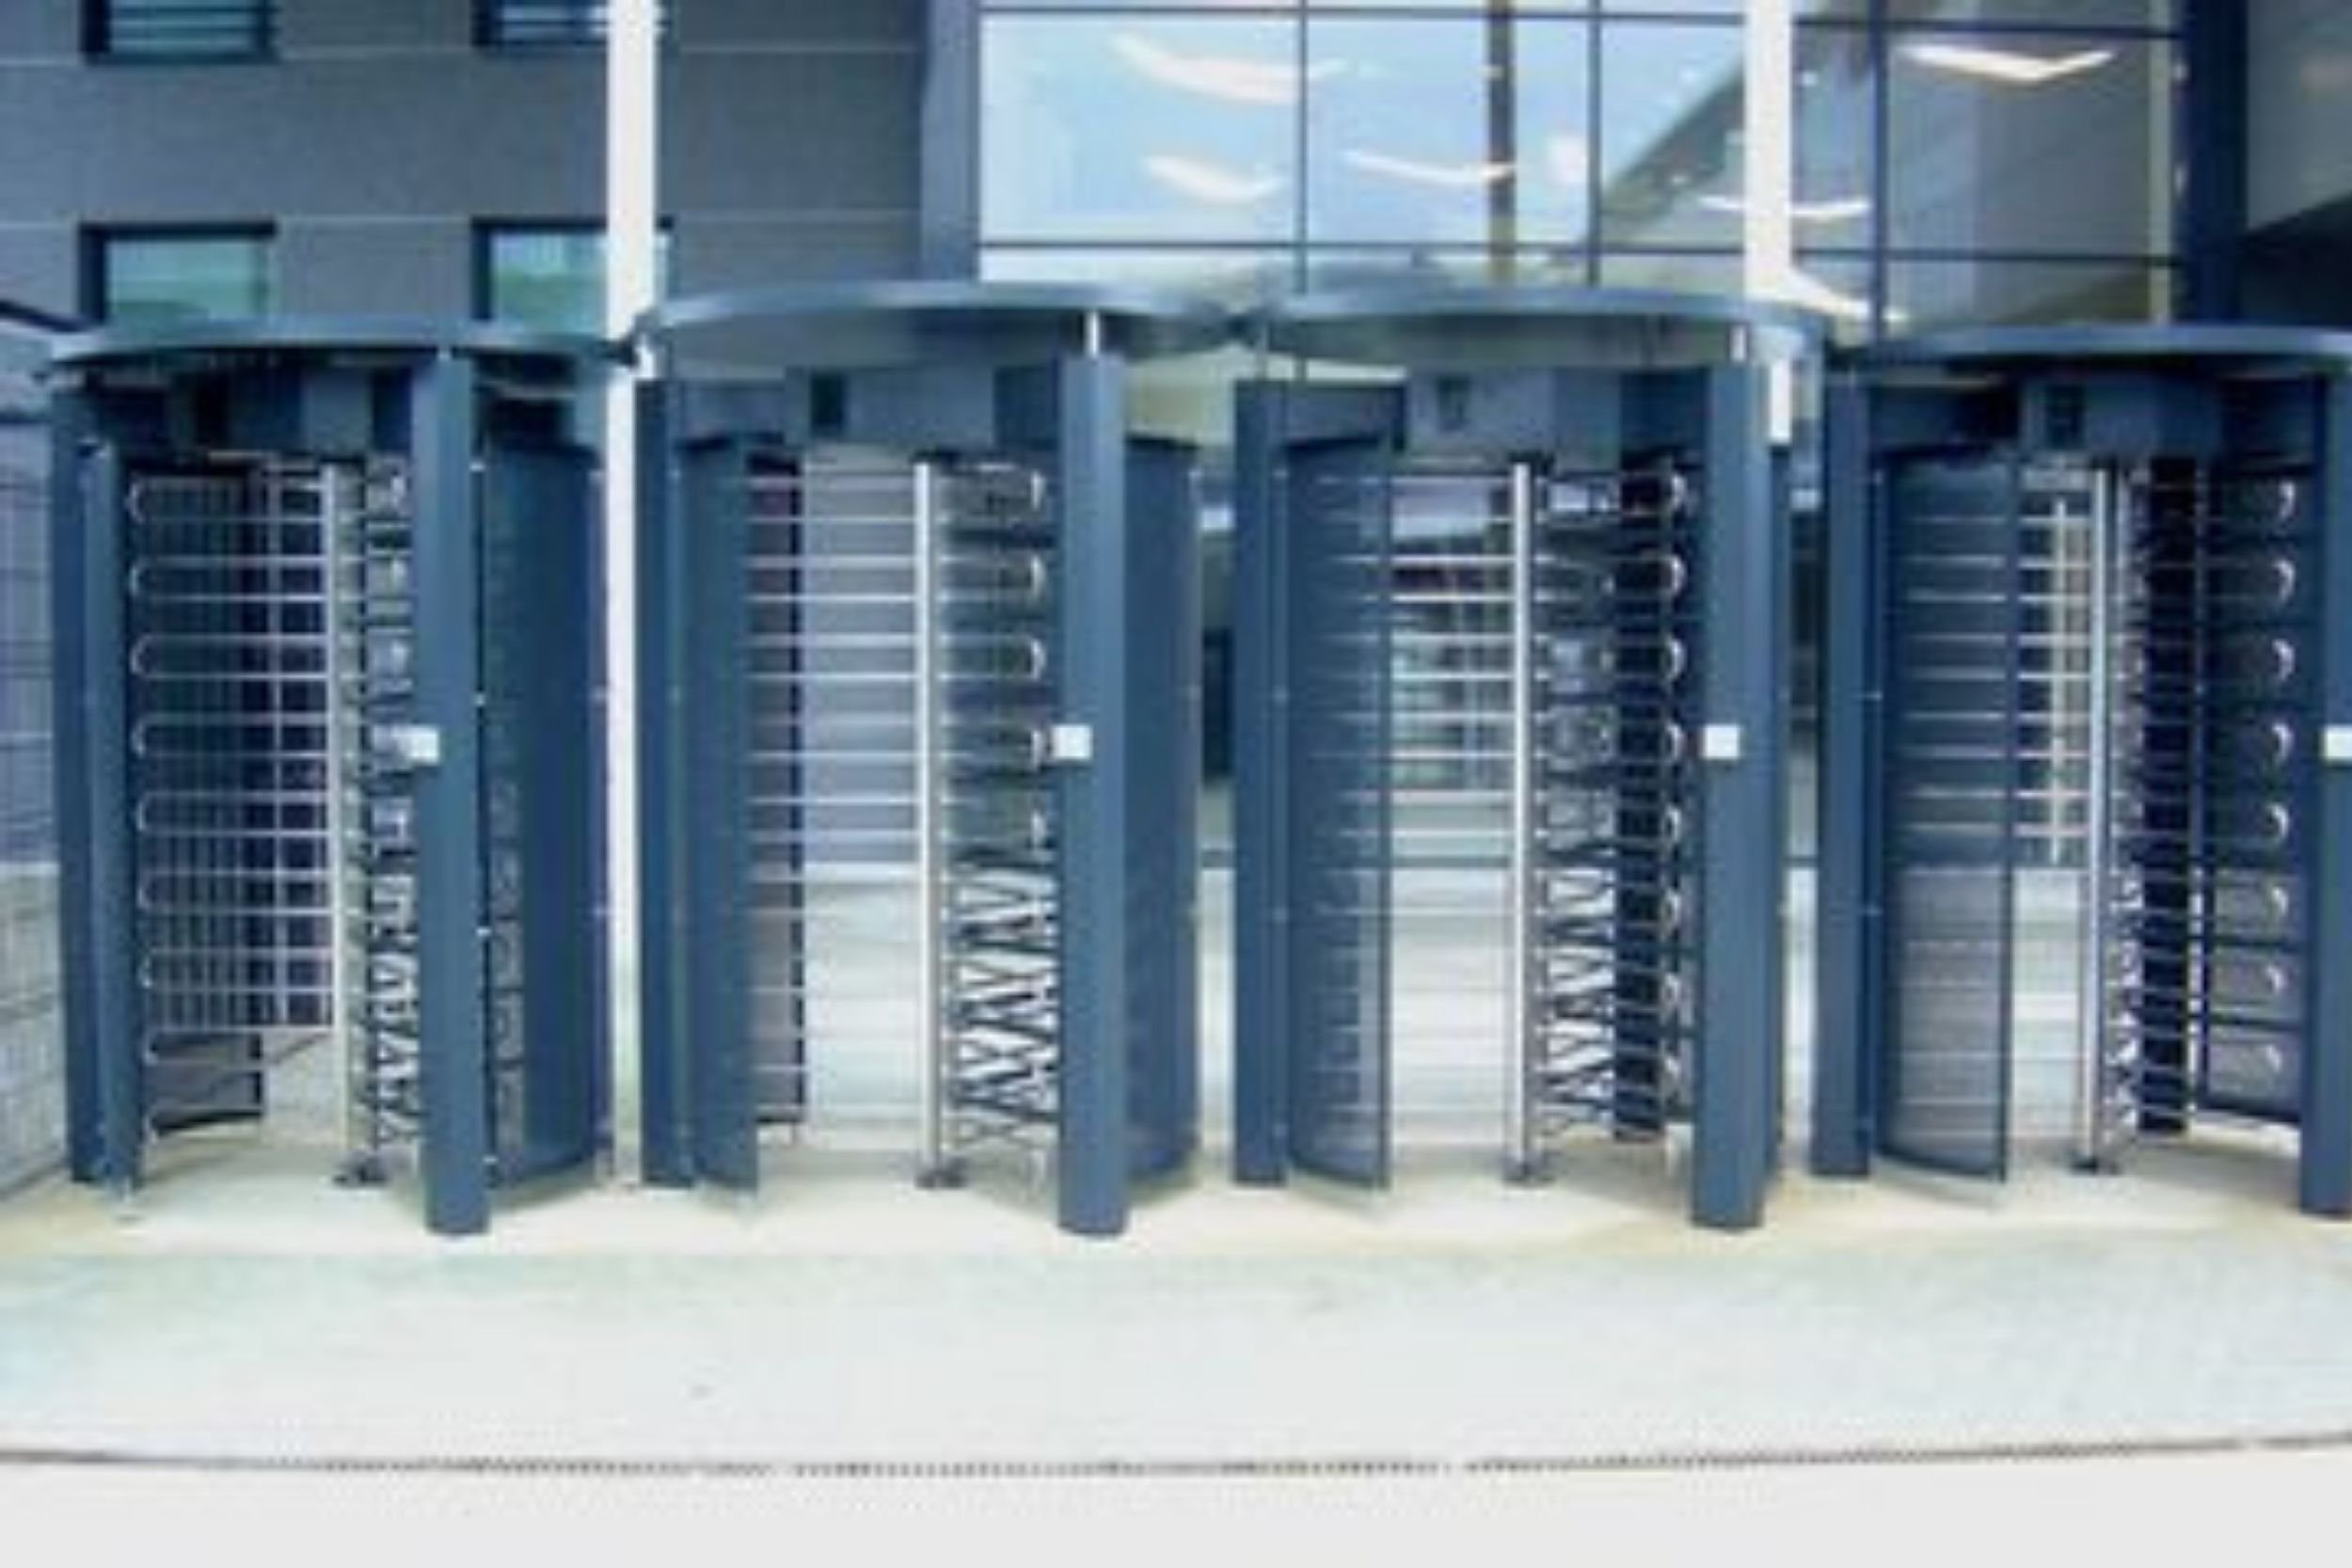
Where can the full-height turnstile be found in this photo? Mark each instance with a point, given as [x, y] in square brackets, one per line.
[32, 1056]
[329, 748]
[2087, 843]
[1509, 643]
[919, 651]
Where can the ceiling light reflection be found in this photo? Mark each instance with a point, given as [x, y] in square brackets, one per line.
[1230, 77]
[1211, 183]
[2007, 67]
[1448, 176]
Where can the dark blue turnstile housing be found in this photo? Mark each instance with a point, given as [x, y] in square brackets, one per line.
[2087, 846]
[1509, 641]
[329, 745]
[919, 652]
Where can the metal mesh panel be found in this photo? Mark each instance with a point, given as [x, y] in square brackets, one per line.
[31, 1066]
[2211, 981]
[1614, 892]
[375, 650]
[230, 749]
[1000, 908]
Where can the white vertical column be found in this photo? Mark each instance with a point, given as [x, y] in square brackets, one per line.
[1768, 227]
[632, 146]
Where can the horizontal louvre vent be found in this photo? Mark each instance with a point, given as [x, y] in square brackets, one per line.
[185, 29]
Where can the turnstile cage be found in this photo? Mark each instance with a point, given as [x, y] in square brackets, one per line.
[335, 861]
[1508, 739]
[2087, 677]
[32, 1054]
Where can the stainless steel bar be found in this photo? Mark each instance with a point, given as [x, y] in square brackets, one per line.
[938, 1064]
[2091, 1141]
[1523, 1049]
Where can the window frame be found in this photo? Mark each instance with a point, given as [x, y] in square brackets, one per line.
[100, 25]
[100, 240]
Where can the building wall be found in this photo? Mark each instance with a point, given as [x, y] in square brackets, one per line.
[381, 135]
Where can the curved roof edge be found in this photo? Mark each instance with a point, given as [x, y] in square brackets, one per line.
[2247, 347]
[1504, 327]
[895, 324]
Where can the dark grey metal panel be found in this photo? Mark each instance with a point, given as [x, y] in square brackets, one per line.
[1847, 982]
[450, 976]
[1094, 797]
[2324, 1180]
[1952, 591]
[1339, 538]
[665, 1128]
[1744, 576]
[717, 860]
[543, 743]
[1163, 623]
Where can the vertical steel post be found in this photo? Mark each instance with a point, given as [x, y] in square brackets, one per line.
[1522, 1023]
[1740, 929]
[1092, 796]
[930, 889]
[2090, 1024]
[1262, 775]
[445, 577]
[336, 510]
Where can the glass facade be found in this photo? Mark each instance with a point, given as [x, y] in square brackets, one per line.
[1954, 158]
[180, 276]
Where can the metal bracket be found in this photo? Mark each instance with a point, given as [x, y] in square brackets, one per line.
[2335, 745]
[1722, 743]
[1070, 745]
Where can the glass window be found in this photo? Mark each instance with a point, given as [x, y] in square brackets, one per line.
[1671, 143]
[1447, 131]
[1340, 268]
[549, 276]
[1922, 295]
[1696, 273]
[541, 24]
[181, 30]
[182, 276]
[2055, 145]
[1236, 275]
[1151, 127]
[549, 24]
[1837, 168]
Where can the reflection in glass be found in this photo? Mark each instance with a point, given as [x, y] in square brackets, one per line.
[159, 278]
[1671, 144]
[1717, 273]
[1938, 293]
[1147, 127]
[1836, 169]
[1427, 131]
[2050, 145]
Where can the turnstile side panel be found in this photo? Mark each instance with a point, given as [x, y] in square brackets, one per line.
[541, 743]
[1952, 589]
[1340, 544]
